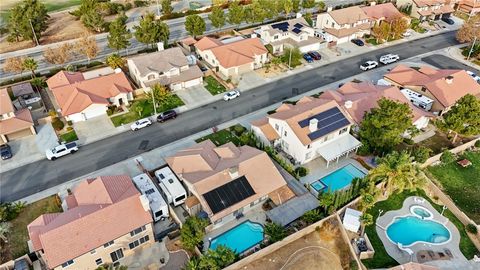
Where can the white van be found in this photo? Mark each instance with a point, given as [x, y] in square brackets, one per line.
[171, 186]
[157, 204]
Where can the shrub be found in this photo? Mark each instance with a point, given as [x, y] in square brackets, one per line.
[57, 124]
[447, 157]
[421, 154]
[139, 3]
[477, 144]
[271, 112]
[312, 216]
[363, 150]
[239, 130]
[52, 113]
[109, 112]
[9, 211]
[275, 232]
[471, 228]
[408, 141]
[69, 128]
[69, 122]
[128, 6]
[301, 171]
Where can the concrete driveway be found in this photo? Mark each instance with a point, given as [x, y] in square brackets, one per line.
[250, 80]
[95, 129]
[195, 96]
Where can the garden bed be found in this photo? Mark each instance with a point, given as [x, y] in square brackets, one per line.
[69, 136]
[223, 136]
[213, 86]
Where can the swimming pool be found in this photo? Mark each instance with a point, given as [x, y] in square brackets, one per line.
[421, 212]
[338, 179]
[240, 238]
[410, 229]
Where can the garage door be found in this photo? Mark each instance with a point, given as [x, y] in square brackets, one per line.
[94, 113]
[192, 82]
[176, 86]
[19, 134]
[309, 48]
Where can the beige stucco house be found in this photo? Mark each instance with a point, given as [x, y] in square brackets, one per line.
[429, 9]
[14, 124]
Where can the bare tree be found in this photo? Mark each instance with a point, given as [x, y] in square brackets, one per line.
[87, 45]
[14, 65]
[469, 30]
[59, 55]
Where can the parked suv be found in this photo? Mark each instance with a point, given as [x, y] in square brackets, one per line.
[61, 150]
[307, 58]
[6, 151]
[368, 65]
[315, 55]
[167, 115]
[389, 58]
[141, 124]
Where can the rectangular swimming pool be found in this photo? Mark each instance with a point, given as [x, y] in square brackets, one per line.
[240, 238]
[338, 179]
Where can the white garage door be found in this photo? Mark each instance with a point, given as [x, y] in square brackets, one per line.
[309, 48]
[192, 83]
[176, 86]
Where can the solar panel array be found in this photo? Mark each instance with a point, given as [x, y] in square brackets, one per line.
[328, 121]
[281, 26]
[298, 25]
[228, 194]
[296, 30]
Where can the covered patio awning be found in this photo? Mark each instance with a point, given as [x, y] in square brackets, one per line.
[288, 212]
[338, 147]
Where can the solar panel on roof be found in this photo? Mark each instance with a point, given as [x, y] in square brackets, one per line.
[296, 30]
[228, 194]
[280, 25]
[321, 116]
[298, 25]
[324, 130]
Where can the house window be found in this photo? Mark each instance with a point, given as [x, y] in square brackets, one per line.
[116, 255]
[424, 89]
[93, 251]
[309, 146]
[275, 37]
[285, 133]
[276, 127]
[343, 130]
[98, 261]
[108, 244]
[333, 24]
[138, 230]
[68, 263]
[138, 242]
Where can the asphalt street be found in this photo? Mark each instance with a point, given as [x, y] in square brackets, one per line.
[29, 179]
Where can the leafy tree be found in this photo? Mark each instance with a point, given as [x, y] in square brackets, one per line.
[369, 195]
[258, 10]
[270, 8]
[150, 31]
[308, 3]
[30, 64]
[217, 259]
[366, 219]
[249, 14]
[469, 30]
[14, 65]
[235, 13]
[25, 16]
[381, 31]
[292, 57]
[421, 154]
[275, 232]
[326, 200]
[217, 17]
[167, 7]
[192, 264]
[85, 7]
[87, 45]
[447, 157]
[398, 173]
[192, 232]
[308, 18]
[312, 216]
[287, 7]
[295, 6]
[94, 21]
[115, 61]
[38, 83]
[59, 55]
[195, 25]
[118, 35]
[161, 95]
[321, 5]
[382, 127]
[463, 118]
[398, 26]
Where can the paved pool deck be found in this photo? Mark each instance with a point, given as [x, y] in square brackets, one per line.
[402, 257]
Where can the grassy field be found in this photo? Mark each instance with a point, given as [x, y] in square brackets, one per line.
[51, 5]
[462, 184]
[381, 259]
[18, 236]
[213, 86]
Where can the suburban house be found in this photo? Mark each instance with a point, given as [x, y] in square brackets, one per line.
[105, 219]
[309, 129]
[359, 98]
[295, 33]
[429, 9]
[469, 6]
[444, 86]
[386, 12]
[80, 99]
[168, 67]
[232, 59]
[14, 124]
[227, 180]
[342, 25]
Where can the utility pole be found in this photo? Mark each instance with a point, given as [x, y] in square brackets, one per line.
[33, 31]
[471, 49]
[158, 9]
[290, 59]
[154, 105]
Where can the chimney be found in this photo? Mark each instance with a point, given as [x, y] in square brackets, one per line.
[253, 35]
[373, 3]
[348, 104]
[233, 172]
[298, 15]
[449, 79]
[329, 8]
[160, 46]
[313, 125]
[117, 70]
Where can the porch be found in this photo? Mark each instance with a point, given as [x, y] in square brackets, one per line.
[340, 147]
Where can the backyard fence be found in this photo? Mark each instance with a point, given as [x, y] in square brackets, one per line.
[455, 150]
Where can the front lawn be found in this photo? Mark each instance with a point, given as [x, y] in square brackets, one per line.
[18, 236]
[133, 115]
[221, 137]
[461, 184]
[69, 136]
[213, 86]
[381, 259]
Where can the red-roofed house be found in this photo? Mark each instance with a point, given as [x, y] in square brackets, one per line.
[80, 99]
[469, 6]
[233, 58]
[384, 12]
[429, 9]
[106, 219]
[444, 86]
[14, 123]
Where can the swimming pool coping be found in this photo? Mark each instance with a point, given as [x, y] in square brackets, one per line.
[362, 170]
[239, 253]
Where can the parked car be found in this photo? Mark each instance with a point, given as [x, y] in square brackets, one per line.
[61, 150]
[202, 68]
[368, 65]
[141, 124]
[389, 58]
[231, 95]
[448, 21]
[315, 55]
[357, 42]
[167, 115]
[307, 58]
[6, 151]
[474, 76]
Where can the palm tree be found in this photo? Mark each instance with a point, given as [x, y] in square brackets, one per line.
[366, 220]
[4, 230]
[326, 200]
[275, 232]
[30, 64]
[398, 172]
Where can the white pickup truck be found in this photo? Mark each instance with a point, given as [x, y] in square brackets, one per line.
[389, 58]
[61, 150]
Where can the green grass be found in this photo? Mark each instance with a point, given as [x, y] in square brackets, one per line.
[69, 136]
[133, 115]
[221, 137]
[373, 41]
[213, 86]
[462, 184]
[18, 236]
[50, 5]
[381, 259]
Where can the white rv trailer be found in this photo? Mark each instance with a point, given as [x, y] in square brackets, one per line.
[158, 206]
[171, 186]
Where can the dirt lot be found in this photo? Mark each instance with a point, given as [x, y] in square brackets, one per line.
[322, 249]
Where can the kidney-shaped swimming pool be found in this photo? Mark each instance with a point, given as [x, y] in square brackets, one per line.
[411, 229]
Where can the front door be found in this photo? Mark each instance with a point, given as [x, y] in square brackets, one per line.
[120, 101]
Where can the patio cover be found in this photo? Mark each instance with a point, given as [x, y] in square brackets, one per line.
[338, 147]
[292, 209]
[351, 220]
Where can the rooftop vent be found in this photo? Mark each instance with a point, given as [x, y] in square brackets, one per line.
[348, 104]
[449, 79]
[313, 125]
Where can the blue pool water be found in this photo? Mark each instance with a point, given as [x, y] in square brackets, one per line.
[240, 238]
[408, 230]
[338, 179]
